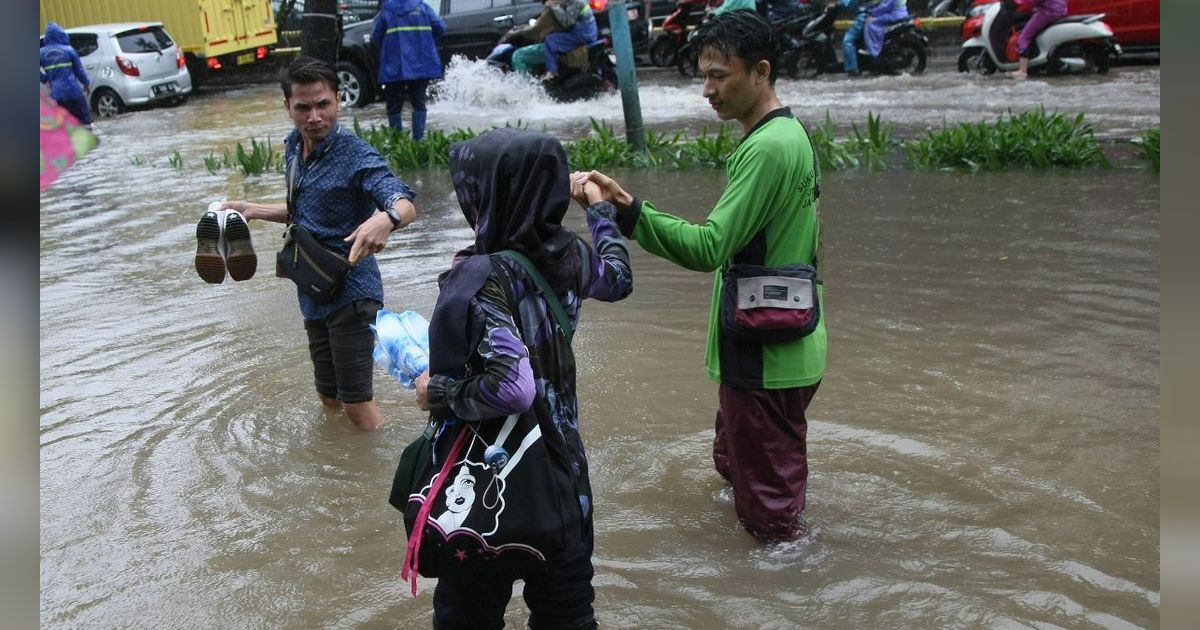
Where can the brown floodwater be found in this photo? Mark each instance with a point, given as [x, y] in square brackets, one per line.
[984, 449]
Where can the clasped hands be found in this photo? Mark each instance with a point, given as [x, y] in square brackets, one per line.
[589, 187]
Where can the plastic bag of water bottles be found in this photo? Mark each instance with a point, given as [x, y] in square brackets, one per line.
[401, 344]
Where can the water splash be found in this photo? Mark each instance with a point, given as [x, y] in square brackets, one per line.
[476, 84]
[477, 95]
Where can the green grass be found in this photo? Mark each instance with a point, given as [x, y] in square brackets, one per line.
[601, 148]
[831, 153]
[259, 159]
[1149, 145]
[211, 163]
[872, 146]
[1030, 140]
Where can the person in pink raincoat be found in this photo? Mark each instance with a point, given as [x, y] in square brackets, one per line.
[1045, 13]
[62, 140]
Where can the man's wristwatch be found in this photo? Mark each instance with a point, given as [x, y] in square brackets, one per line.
[394, 215]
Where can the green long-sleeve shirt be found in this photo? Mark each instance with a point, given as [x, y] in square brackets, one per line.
[773, 184]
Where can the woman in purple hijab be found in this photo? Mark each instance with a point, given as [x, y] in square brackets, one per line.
[495, 349]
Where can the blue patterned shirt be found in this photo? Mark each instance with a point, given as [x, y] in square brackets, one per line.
[342, 183]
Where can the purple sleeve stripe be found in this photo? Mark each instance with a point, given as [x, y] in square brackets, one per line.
[513, 394]
[607, 285]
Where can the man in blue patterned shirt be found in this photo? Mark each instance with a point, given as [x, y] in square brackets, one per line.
[345, 195]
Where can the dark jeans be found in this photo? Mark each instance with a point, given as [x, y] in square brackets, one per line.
[78, 107]
[761, 449]
[559, 598]
[340, 347]
[397, 92]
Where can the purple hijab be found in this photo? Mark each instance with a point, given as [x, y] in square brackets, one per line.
[513, 186]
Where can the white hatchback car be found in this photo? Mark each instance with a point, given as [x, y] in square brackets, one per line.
[130, 64]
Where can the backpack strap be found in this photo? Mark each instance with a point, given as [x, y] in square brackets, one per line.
[556, 307]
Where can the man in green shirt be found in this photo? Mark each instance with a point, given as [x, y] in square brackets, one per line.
[766, 215]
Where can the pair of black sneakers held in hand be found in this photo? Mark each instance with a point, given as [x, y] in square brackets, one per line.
[223, 243]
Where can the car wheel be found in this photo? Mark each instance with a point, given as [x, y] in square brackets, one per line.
[106, 103]
[353, 86]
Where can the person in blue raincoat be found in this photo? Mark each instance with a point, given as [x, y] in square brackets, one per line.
[883, 15]
[63, 70]
[406, 32]
[575, 16]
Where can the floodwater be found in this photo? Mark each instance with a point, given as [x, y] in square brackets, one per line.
[984, 448]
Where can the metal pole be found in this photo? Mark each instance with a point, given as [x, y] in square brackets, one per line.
[321, 30]
[622, 43]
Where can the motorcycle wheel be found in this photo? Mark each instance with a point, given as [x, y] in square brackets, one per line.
[1095, 59]
[976, 61]
[663, 50]
[685, 64]
[799, 63]
[1098, 60]
[911, 58]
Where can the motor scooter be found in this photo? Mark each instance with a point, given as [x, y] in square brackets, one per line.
[972, 26]
[806, 46]
[944, 8]
[686, 16]
[572, 84]
[811, 52]
[1074, 44]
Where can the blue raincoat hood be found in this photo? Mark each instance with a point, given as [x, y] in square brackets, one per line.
[56, 35]
[401, 6]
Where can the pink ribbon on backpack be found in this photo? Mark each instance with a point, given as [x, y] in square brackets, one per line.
[413, 551]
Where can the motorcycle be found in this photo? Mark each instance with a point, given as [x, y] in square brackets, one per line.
[972, 26]
[809, 51]
[1074, 44]
[573, 84]
[687, 14]
[944, 8]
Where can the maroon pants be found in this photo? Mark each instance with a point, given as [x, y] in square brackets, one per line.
[760, 448]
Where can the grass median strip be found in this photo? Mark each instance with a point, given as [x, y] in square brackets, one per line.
[1034, 140]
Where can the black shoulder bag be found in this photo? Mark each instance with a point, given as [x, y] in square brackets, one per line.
[497, 496]
[761, 304]
[317, 270]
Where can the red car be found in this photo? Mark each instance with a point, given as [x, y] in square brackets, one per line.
[1134, 22]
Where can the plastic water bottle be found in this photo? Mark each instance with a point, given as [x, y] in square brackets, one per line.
[401, 344]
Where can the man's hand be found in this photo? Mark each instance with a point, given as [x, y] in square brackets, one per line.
[370, 237]
[236, 204]
[611, 191]
[421, 384]
[276, 212]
